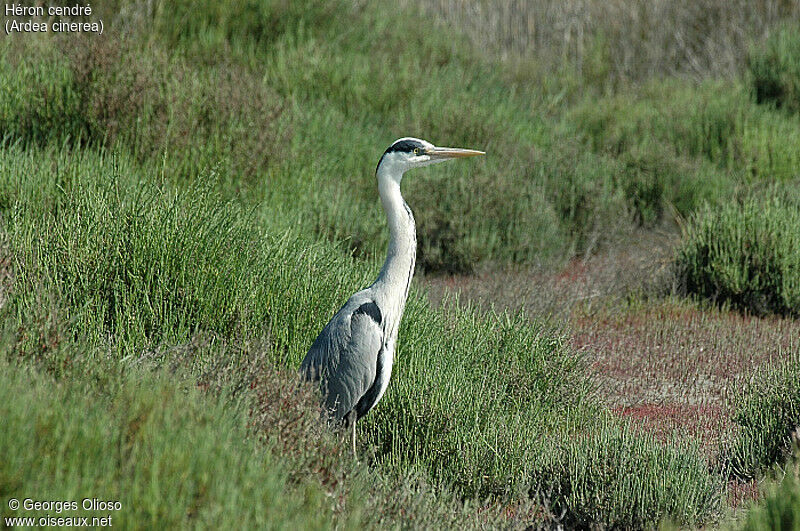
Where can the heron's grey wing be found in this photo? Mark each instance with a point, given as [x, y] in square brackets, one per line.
[344, 356]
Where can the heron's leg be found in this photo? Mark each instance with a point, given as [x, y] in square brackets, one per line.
[354, 436]
[350, 423]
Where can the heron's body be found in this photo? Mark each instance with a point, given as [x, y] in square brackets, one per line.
[353, 355]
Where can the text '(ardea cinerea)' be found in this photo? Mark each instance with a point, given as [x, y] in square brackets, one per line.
[353, 355]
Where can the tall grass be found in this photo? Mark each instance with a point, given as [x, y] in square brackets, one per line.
[265, 127]
[780, 507]
[144, 264]
[538, 198]
[774, 70]
[168, 454]
[716, 123]
[745, 254]
[133, 93]
[242, 444]
[623, 40]
[135, 268]
[166, 188]
[768, 416]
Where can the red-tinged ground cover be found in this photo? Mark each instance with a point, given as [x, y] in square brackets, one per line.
[670, 365]
[673, 364]
[705, 422]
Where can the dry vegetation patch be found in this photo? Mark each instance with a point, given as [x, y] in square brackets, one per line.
[637, 265]
[669, 350]
[609, 41]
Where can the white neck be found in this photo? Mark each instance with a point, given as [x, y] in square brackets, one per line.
[395, 277]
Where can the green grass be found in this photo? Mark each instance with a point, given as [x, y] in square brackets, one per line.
[195, 194]
[178, 451]
[170, 455]
[538, 198]
[715, 122]
[774, 69]
[147, 264]
[767, 414]
[780, 507]
[111, 250]
[526, 203]
[745, 254]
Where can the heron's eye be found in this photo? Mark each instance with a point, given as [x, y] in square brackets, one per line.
[417, 151]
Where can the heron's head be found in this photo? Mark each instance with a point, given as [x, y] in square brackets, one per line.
[407, 153]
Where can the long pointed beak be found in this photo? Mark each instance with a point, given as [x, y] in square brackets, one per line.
[444, 153]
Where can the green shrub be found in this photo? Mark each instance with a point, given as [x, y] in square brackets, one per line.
[538, 431]
[169, 454]
[774, 68]
[131, 260]
[123, 94]
[207, 25]
[297, 121]
[499, 209]
[606, 477]
[745, 253]
[141, 232]
[135, 266]
[715, 122]
[780, 506]
[767, 412]
[38, 100]
[130, 429]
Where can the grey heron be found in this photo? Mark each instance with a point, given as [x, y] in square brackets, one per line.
[353, 355]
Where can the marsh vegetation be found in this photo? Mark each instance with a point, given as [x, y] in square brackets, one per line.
[604, 332]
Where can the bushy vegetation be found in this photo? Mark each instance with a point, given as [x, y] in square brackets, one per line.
[111, 251]
[168, 453]
[780, 508]
[279, 95]
[603, 478]
[125, 92]
[745, 253]
[715, 123]
[775, 69]
[189, 447]
[768, 419]
[187, 199]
